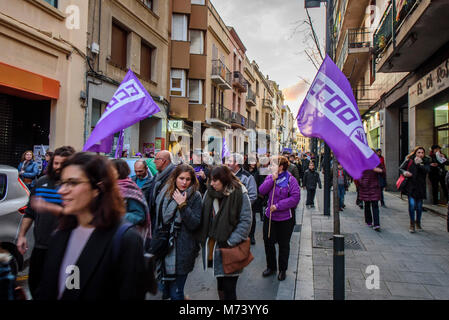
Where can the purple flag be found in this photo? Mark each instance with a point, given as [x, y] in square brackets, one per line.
[329, 112]
[130, 104]
[224, 150]
[119, 148]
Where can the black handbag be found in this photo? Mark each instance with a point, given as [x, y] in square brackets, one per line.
[160, 243]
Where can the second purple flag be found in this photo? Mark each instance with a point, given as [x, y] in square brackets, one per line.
[329, 112]
[130, 104]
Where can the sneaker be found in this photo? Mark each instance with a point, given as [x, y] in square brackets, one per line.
[418, 227]
[376, 228]
[412, 228]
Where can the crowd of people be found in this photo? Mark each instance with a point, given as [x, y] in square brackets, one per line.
[89, 212]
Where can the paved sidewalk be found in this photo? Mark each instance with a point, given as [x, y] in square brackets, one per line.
[412, 266]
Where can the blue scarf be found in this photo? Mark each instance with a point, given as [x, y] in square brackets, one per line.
[282, 180]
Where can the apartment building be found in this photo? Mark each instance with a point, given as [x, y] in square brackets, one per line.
[42, 75]
[123, 35]
[400, 51]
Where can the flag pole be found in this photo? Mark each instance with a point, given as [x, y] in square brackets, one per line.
[272, 198]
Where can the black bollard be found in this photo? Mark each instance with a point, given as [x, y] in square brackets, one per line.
[339, 267]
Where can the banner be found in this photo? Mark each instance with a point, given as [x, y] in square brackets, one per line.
[329, 112]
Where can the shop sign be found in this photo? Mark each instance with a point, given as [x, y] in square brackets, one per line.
[175, 125]
[431, 84]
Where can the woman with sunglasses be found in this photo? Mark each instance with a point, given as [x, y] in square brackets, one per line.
[83, 261]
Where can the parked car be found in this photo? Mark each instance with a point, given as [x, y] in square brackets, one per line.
[13, 200]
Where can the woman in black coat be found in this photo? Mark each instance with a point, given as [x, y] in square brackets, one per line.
[179, 207]
[415, 168]
[85, 260]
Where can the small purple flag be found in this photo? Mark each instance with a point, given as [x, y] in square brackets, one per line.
[224, 150]
[119, 149]
[130, 104]
[329, 112]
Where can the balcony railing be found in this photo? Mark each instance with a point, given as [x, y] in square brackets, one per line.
[239, 119]
[267, 103]
[221, 113]
[390, 25]
[221, 74]
[250, 98]
[354, 39]
[239, 82]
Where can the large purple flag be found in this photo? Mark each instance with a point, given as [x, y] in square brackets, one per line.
[130, 104]
[330, 112]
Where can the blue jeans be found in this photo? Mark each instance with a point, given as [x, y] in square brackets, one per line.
[341, 194]
[174, 289]
[415, 204]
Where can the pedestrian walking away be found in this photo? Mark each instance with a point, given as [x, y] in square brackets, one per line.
[415, 169]
[437, 174]
[179, 207]
[226, 223]
[310, 181]
[369, 193]
[382, 178]
[28, 169]
[83, 244]
[284, 195]
[43, 215]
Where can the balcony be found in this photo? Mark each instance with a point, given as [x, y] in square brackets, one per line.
[250, 98]
[355, 53]
[365, 96]
[220, 115]
[239, 82]
[221, 75]
[239, 121]
[251, 124]
[404, 40]
[267, 103]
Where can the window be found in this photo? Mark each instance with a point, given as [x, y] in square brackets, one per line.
[257, 117]
[257, 88]
[196, 42]
[146, 53]
[118, 46]
[195, 91]
[202, 2]
[179, 27]
[98, 108]
[178, 83]
[54, 3]
[148, 4]
[3, 184]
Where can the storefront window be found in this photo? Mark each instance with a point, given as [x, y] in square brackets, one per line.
[442, 127]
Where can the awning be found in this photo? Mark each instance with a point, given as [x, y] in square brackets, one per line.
[25, 84]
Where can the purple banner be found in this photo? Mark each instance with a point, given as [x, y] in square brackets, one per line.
[330, 112]
[119, 148]
[130, 104]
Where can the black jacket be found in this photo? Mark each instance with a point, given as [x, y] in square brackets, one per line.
[440, 170]
[311, 179]
[44, 223]
[416, 184]
[100, 277]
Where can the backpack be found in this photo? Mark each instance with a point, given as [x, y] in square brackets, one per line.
[150, 283]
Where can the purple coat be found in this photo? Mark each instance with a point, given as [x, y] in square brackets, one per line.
[284, 199]
[369, 187]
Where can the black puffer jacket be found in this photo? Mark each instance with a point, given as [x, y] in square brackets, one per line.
[415, 186]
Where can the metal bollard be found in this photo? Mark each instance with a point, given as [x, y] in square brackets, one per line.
[339, 267]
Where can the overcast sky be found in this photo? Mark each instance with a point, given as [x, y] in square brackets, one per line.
[266, 28]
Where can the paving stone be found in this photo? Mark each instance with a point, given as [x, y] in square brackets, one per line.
[323, 294]
[408, 290]
[438, 292]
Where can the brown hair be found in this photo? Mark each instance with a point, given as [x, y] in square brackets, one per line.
[225, 175]
[171, 182]
[23, 155]
[413, 153]
[108, 207]
[122, 168]
[281, 161]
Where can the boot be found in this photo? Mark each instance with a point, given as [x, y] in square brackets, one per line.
[418, 226]
[412, 227]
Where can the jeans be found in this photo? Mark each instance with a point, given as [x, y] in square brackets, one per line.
[341, 194]
[415, 204]
[174, 289]
[369, 217]
[382, 201]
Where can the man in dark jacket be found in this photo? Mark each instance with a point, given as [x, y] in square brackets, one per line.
[164, 166]
[293, 169]
[142, 177]
[305, 163]
[45, 222]
[310, 181]
[437, 172]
